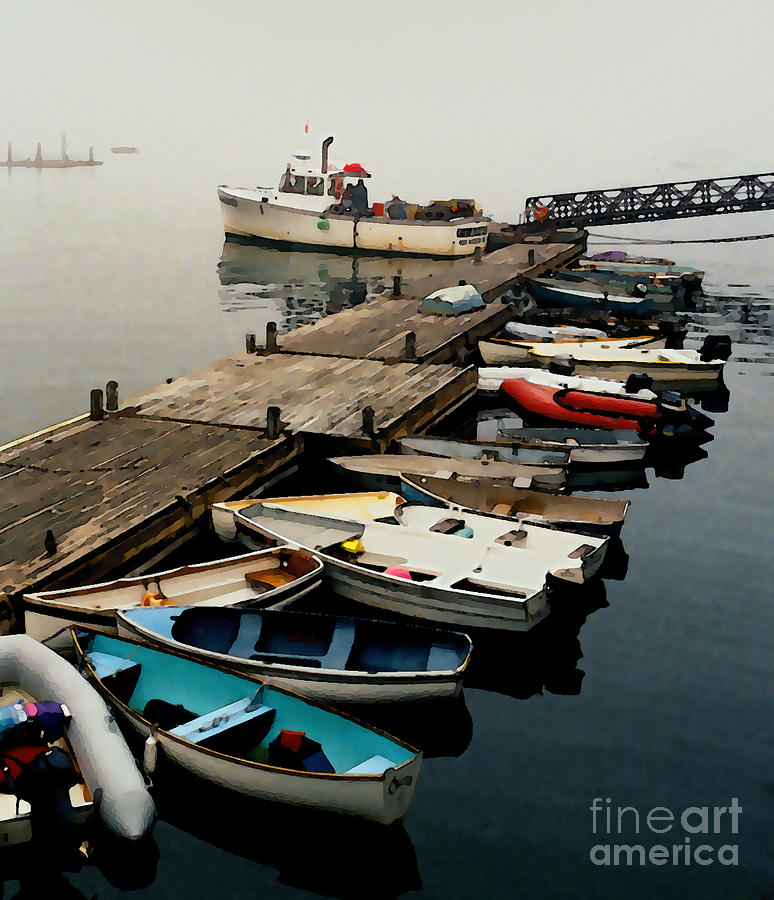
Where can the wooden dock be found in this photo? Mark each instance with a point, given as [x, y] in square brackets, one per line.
[101, 494]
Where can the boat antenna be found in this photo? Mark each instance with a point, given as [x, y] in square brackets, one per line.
[325, 144]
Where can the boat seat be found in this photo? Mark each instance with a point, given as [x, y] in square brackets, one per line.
[268, 579]
[247, 715]
[511, 538]
[448, 526]
[501, 509]
[244, 642]
[374, 765]
[117, 673]
[442, 659]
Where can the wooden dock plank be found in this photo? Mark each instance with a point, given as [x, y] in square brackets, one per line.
[316, 395]
[377, 329]
[108, 490]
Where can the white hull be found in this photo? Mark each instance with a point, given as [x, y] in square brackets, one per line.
[378, 798]
[219, 583]
[520, 353]
[250, 216]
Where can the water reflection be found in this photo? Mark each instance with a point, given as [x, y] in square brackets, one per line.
[294, 288]
[328, 854]
[522, 665]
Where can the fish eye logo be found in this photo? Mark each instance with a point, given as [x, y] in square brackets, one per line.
[686, 828]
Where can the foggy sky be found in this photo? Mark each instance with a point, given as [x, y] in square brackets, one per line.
[495, 100]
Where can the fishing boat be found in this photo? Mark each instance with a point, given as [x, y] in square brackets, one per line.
[584, 446]
[561, 293]
[491, 377]
[309, 210]
[583, 515]
[264, 578]
[524, 331]
[59, 750]
[619, 261]
[511, 351]
[470, 569]
[666, 416]
[383, 471]
[237, 732]
[490, 451]
[618, 360]
[340, 659]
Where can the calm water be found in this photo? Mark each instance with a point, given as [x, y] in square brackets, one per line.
[654, 690]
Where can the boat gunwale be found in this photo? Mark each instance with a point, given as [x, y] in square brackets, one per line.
[44, 601]
[249, 763]
[350, 675]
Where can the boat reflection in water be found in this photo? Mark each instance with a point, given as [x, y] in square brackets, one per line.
[328, 854]
[295, 288]
[522, 665]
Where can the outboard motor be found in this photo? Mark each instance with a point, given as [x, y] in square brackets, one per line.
[638, 381]
[715, 346]
[640, 290]
[562, 365]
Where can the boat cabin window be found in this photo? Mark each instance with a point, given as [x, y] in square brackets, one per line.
[292, 184]
[315, 186]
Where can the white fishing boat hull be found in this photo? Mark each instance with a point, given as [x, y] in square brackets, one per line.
[251, 214]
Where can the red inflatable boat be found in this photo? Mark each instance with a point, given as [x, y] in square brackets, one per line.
[596, 410]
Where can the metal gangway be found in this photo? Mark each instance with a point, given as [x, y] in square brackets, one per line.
[654, 202]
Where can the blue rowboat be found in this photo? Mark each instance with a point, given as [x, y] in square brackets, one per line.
[341, 659]
[558, 293]
[238, 732]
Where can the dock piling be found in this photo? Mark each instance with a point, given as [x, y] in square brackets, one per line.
[273, 423]
[111, 396]
[271, 337]
[410, 353]
[531, 256]
[250, 344]
[396, 285]
[96, 410]
[478, 256]
[368, 421]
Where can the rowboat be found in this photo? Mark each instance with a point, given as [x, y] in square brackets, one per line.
[621, 282]
[561, 293]
[524, 331]
[237, 732]
[491, 377]
[580, 514]
[473, 569]
[383, 471]
[310, 210]
[584, 446]
[62, 749]
[602, 409]
[510, 351]
[340, 659]
[618, 261]
[617, 360]
[265, 578]
[531, 454]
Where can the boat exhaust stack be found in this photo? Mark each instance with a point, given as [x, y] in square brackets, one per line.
[325, 144]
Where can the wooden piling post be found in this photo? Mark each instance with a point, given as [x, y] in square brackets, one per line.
[273, 423]
[250, 344]
[410, 353]
[96, 411]
[111, 396]
[396, 285]
[478, 255]
[531, 256]
[271, 337]
[368, 421]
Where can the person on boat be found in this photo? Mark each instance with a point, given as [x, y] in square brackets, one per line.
[346, 200]
[359, 195]
[396, 208]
